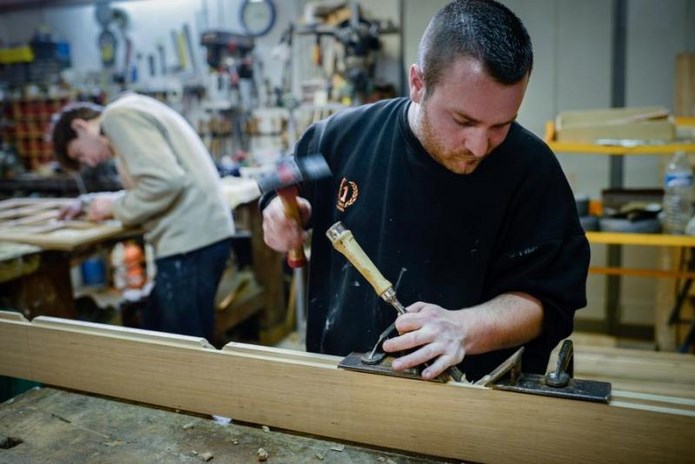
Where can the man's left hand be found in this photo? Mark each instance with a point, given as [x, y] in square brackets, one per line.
[101, 208]
[70, 210]
[436, 335]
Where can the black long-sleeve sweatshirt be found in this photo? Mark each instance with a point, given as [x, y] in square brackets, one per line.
[443, 238]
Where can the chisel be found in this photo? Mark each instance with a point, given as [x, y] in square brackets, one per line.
[344, 241]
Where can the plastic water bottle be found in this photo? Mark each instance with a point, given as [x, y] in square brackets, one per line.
[678, 187]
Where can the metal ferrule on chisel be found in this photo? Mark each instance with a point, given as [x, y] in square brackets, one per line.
[389, 296]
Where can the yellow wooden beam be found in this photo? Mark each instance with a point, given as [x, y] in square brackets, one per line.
[619, 150]
[635, 272]
[622, 238]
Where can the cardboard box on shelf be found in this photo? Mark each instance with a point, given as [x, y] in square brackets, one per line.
[646, 124]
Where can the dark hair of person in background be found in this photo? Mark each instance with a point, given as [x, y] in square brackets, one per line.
[63, 133]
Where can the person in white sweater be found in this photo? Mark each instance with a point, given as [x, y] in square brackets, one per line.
[172, 191]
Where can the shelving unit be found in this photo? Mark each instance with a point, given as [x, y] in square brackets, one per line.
[26, 124]
[614, 270]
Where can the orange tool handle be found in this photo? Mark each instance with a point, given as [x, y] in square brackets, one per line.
[288, 195]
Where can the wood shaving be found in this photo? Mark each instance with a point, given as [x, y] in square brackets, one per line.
[207, 456]
[113, 443]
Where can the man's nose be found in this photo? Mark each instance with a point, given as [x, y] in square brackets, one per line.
[477, 142]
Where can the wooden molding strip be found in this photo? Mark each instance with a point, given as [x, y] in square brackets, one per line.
[122, 332]
[309, 394]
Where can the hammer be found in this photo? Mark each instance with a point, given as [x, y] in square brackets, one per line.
[288, 173]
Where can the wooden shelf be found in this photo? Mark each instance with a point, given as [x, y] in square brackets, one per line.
[660, 240]
[619, 150]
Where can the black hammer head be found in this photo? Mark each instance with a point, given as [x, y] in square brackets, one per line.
[291, 171]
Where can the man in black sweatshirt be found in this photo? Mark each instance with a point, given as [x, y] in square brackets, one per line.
[465, 209]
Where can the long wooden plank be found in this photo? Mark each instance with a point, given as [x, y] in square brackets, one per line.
[34, 221]
[309, 394]
[21, 207]
[61, 238]
[684, 95]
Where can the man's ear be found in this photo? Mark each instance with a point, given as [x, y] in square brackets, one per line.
[417, 83]
[78, 124]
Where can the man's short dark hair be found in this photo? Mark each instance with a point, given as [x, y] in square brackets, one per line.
[63, 133]
[484, 30]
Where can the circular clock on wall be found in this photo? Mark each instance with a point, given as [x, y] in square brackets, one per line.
[257, 16]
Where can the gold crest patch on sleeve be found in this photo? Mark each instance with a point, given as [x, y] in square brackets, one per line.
[347, 194]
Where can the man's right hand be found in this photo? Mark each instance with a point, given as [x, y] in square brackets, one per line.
[280, 232]
[71, 210]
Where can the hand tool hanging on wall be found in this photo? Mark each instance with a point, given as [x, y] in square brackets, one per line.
[151, 67]
[289, 173]
[344, 241]
[179, 54]
[189, 47]
[162, 59]
[108, 47]
[107, 42]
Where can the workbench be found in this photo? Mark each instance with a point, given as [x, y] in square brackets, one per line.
[45, 287]
[58, 426]
[48, 289]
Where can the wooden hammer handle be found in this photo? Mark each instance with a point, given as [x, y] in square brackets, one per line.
[343, 241]
[288, 195]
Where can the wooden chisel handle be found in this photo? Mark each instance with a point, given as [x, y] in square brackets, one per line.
[295, 257]
[343, 241]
